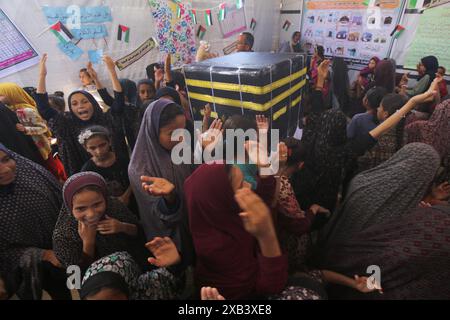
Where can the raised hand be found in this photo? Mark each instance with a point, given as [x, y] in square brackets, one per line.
[256, 215]
[208, 293]
[164, 251]
[110, 226]
[159, 75]
[262, 123]
[323, 69]
[43, 65]
[91, 71]
[110, 64]
[157, 186]
[213, 135]
[257, 153]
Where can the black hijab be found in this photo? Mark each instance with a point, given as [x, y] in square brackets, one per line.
[431, 63]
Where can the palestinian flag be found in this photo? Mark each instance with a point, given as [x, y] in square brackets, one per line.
[397, 31]
[253, 24]
[193, 15]
[201, 32]
[287, 25]
[61, 32]
[222, 11]
[208, 18]
[121, 31]
[180, 10]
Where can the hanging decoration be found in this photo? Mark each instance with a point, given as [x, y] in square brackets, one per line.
[221, 9]
[208, 18]
[201, 32]
[193, 15]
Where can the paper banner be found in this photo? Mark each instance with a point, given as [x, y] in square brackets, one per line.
[91, 32]
[95, 56]
[71, 50]
[98, 14]
[230, 49]
[137, 54]
[121, 30]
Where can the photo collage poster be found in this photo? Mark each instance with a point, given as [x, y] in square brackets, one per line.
[356, 30]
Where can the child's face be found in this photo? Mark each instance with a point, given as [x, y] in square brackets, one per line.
[88, 207]
[85, 78]
[81, 107]
[98, 147]
[372, 64]
[441, 71]
[146, 92]
[421, 68]
[381, 114]
[165, 133]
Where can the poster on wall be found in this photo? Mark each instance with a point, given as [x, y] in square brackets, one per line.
[356, 30]
[175, 35]
[16, 52]
[433, 28]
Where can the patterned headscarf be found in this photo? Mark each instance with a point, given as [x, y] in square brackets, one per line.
[435, 131]
[390, 190]
[79, 181]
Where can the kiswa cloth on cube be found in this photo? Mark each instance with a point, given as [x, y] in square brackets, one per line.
[250, 83]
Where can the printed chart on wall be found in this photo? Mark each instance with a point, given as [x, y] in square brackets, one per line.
[16, 52]
[356, 30]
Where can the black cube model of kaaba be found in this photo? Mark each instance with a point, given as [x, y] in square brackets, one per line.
[249, 83]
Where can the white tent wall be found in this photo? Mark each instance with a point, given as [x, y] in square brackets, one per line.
[136, 14]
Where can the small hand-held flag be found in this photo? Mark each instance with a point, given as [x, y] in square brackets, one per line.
[61, 32]
[121, 31]
[239, 4]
